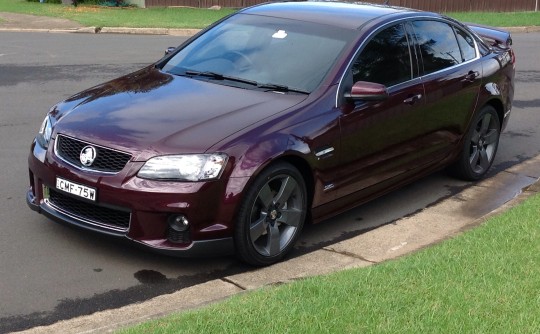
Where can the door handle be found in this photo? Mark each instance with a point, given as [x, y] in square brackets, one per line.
[471, 76]
[412, 99]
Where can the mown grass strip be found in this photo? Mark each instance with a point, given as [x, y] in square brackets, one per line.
[199, 18]
[513, 19]
[98, 16]
[484, 281]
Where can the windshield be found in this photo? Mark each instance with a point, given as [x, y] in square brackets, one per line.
[263, 52]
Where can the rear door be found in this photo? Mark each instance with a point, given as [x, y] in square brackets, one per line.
[452, 74]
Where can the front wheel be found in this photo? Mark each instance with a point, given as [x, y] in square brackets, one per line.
[480, 146]
[271, 215]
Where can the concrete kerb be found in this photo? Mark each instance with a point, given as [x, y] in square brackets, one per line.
[110, 30]
[145, 31]
[191, 32]
[522, 29]
[41, 30]
[404, 236]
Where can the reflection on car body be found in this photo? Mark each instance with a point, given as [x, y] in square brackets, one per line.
[278, 114]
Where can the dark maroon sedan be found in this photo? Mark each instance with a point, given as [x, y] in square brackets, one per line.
[278, 114]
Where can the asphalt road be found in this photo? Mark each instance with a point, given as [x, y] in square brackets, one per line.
[50, 272]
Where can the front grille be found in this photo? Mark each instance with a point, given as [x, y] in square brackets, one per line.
[91, 213]
[107, 160]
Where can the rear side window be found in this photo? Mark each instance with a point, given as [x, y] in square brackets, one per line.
[466, 44]
[386, 59]
[482, 47]
[438, 45]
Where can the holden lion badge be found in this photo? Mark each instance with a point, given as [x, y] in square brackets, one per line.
[88, 155]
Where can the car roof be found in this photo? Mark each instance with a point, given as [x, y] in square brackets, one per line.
[339, 14]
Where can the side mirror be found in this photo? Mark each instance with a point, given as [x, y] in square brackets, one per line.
[363, 90]
[170, 50]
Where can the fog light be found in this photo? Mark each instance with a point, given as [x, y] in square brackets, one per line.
[179, 223]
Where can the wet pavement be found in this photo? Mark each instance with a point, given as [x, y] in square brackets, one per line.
[434, 224]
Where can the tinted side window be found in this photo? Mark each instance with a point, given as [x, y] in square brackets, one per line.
[466, 44]
[482, 47]
[386, 58]
[438, 45]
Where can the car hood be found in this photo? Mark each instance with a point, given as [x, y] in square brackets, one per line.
[150, 113]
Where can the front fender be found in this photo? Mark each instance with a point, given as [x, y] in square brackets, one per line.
[256, 157]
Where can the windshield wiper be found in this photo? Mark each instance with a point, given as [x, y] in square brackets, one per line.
[281, 88]
[219, 76]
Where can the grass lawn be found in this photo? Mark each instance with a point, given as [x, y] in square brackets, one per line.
[97, 16]
[486, 280]
[199, 18]
[515, 19]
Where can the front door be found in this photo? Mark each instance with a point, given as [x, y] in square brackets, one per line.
[383, 139]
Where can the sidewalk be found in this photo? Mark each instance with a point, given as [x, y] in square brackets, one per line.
[32, 23]
[12, 21]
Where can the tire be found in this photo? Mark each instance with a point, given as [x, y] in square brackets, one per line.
[271, 215]
[480, 146]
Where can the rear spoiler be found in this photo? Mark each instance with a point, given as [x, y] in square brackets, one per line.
[493, 36]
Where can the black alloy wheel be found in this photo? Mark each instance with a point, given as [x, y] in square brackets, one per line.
[271, 216]
[480, 146]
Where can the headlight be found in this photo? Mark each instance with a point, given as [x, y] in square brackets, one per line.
[189, 167]
[45, 131]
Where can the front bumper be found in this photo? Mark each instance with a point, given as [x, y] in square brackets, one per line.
[147, 204]
[201, 248]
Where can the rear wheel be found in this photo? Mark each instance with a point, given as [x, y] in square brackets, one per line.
[271, 215]
[480, 146]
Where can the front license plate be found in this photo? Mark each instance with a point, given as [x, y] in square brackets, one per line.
[76, 189]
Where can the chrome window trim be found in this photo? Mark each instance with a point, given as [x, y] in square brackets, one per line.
[407, 19]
